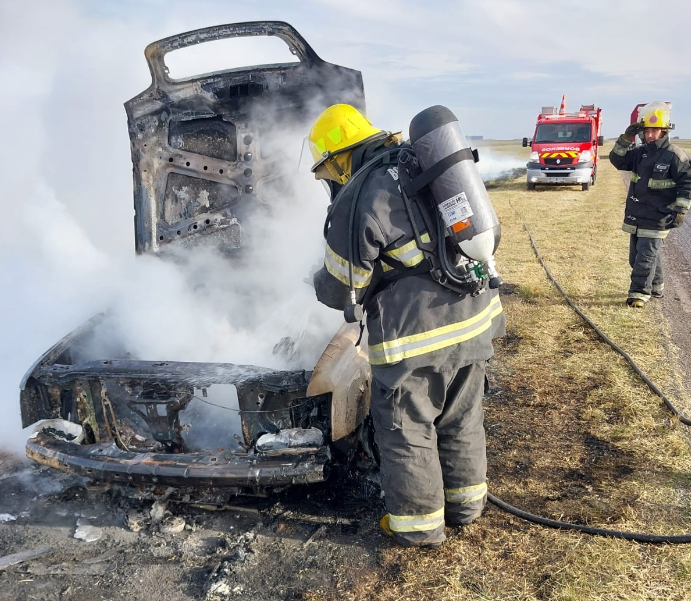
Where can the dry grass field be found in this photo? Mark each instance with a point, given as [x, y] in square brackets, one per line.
[573, 433]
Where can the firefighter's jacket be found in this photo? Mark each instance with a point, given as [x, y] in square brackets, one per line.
[660, 185]
[411, 321]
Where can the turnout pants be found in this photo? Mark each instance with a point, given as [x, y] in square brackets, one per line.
[431, 442]
[646, 267]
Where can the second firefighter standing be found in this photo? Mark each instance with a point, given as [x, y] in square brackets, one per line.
[658, 198]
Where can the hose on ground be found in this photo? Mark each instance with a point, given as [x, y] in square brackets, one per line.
[634, 536]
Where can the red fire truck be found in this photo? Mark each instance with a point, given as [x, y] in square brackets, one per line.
[565, 147]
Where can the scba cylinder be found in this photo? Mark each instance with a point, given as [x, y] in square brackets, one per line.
[459, 192]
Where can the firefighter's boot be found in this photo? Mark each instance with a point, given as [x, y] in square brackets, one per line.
[635, 303]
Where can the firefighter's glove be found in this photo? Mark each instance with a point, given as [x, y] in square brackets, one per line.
[309, 280]
[678, 219]
[632, 131]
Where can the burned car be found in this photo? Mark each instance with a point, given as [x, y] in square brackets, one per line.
[203, 160]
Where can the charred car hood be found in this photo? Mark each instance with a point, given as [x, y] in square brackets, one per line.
[207, 148]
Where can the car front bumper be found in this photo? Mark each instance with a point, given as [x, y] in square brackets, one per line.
[107, 462]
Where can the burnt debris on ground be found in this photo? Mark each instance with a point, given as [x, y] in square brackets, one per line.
[64, 533]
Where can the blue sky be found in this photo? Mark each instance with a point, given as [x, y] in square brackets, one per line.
[67, 67]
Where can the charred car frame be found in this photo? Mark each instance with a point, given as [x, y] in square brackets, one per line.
[199, 162]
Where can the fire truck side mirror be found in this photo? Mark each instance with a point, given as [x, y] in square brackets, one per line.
[525, 142]
[601, 141]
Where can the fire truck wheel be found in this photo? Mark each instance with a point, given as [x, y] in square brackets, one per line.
[530, 186]
[585, 187]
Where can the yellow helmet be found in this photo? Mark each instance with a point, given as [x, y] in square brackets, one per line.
[338, 130]
[656, 114]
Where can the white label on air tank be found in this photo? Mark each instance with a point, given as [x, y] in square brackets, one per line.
[455, 209]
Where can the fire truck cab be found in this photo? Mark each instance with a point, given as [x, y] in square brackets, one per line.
[565, 147]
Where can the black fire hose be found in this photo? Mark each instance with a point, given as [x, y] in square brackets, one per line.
[633, 536]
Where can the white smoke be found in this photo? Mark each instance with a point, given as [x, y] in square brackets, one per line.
[495, 165]
[66, 240]
[203, 306]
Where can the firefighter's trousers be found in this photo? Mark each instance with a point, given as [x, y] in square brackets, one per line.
[646, 267]
[431, 442]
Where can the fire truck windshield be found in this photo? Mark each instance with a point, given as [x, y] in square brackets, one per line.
[562, 132]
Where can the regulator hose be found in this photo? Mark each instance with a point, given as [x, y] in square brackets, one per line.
[359, 178]
[536, 519]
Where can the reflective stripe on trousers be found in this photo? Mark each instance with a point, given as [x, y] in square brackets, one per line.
[416, 523]
[431, 437]
[466, 494]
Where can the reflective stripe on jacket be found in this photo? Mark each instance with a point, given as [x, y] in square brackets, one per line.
[660, 185]
[393, 351]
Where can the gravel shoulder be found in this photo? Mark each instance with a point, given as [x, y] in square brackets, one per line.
[676, 304]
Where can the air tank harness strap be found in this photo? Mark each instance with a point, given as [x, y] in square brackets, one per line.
[388, 157]
[401, 271]
[429, 175]
[435, 251]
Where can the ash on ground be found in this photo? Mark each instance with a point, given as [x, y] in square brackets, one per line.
[69, 533]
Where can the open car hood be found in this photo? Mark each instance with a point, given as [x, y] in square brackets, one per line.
[207, 148]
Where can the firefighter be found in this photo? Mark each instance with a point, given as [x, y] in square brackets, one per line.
[658, 198]
[427, 345]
